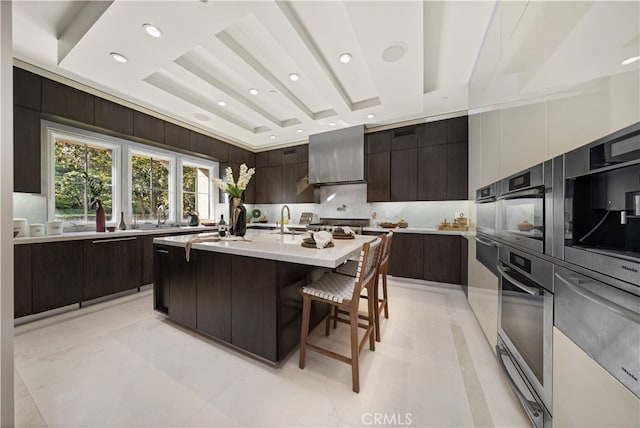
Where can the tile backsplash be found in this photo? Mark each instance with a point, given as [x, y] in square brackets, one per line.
[350, 201]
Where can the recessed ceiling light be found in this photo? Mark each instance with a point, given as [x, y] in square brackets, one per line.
[152, 30]
[371, 116]
[630, 60]
[253, 91]
[294, 76]
[119, 57]
[221, 103]
[393, 52]
[273, 137]
[332, 124]
[299, 130]
[345, 57]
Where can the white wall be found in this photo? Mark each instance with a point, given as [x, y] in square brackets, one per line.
[6, 218]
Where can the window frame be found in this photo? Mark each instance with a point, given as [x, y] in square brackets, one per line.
[213, 172]
[122, 179]
[53, 130]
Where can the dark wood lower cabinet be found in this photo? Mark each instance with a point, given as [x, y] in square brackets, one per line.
[250, 303]
[432, 257]
[253, 304]
[182, 287]
[406, 256]
[111, 265]
[22, 281]
[442, 258]
[213, 291]
[57, 274]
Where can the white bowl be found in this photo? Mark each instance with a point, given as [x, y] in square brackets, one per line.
[36, 229]
[20, 224]
[54, 227]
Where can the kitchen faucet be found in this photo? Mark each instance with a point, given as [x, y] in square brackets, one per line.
[282, 218]
[161, 215]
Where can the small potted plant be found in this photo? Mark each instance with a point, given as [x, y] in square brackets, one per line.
[237, 211]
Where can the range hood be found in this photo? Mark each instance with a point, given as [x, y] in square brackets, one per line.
[337, 157]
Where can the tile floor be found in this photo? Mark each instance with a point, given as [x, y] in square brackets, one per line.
[120, 364]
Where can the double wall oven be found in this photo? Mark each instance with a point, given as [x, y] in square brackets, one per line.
[525, 329]
[525, 208]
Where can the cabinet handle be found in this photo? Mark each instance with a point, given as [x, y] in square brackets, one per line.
[162, 251]
[100, 241]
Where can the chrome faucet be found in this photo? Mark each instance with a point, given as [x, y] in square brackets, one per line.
[282, 218]
[161, 215]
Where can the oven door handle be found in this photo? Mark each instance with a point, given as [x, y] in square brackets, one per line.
[536, 192]
[487, 242]
[486, 200]
[576, 287]
[531, 406]
[505, 272]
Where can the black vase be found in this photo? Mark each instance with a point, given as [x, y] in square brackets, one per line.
[237, 216]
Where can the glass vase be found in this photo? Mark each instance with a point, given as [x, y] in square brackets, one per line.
[237, 216]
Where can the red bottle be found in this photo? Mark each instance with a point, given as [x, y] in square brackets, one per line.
[100, 217]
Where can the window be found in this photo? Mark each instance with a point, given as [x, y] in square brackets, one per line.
[150, 185]
[83, 173]
[196, 190]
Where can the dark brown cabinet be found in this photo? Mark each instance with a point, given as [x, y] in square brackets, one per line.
[253, 299]
[146, 252]
[213, 291]
[442, 258]
[182, 288]
[206, 145]
[111, 265]
[432, 173]
[148, 127]
[457, 171]
[27, 89]
[434, 133]
[378, 142]
[406, 137]
[26, 150]
[378, 176]
[176, 136]
[458, 129]
[404, 175]
[289, 183]
[406, 256]
[431, 257]
[161, 279]
[22, 281]
[306, 192]
[57, 274]
[64, 101]
[112, 116]
[269, 185]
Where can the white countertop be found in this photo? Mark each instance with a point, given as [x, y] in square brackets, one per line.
[264, 244]
[274, 225]
[425, 230]
[74, 236]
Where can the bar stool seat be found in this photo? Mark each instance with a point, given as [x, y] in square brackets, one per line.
[343, 292]
[350, 268]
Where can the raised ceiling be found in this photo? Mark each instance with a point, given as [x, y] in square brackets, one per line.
[410, 60]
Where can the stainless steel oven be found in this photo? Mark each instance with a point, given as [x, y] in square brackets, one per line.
[486, 214]
[601, 221]
[525, 208]
[525, 329]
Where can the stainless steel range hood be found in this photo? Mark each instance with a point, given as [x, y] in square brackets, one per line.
[337, 157]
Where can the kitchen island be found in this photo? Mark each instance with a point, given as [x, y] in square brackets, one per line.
[244, 292]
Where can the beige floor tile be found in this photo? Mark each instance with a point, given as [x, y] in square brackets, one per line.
[120, 364]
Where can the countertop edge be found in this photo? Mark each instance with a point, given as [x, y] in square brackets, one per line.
[78, 236]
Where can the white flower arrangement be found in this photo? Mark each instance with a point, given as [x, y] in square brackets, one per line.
[231, 187]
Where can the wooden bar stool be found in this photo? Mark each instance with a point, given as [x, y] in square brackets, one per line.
[343, 292]
[350, 268]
